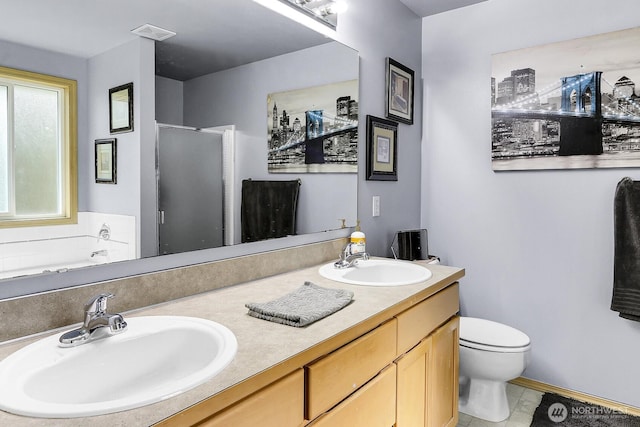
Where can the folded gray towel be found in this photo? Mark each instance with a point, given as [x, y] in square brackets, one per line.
[303, 306]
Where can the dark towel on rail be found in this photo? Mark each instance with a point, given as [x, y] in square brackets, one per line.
[626, 260]
[268, 209]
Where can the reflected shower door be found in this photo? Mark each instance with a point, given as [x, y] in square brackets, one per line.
[190, 190]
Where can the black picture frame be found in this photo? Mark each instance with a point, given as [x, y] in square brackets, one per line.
[400, 84]
[382, 149]
[121, 109]
[106, 161]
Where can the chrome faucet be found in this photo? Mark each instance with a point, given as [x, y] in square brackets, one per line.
[101, 252]
[348, 258]
[97, 323]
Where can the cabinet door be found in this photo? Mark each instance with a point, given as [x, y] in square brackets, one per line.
[280, 404]
[442, 377]
[373, 405]
[411, 405]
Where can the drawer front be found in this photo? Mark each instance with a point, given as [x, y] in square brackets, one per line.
[280, 404]
[374, 405]
[335, 376]
[420, 320]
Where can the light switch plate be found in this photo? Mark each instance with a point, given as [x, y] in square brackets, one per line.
[376, 205]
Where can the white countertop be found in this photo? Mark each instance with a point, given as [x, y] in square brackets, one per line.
[261, 344]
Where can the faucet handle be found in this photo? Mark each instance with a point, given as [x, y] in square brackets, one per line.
[97, 304]
[348, 250]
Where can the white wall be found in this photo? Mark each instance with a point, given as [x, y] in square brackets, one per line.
[537, 246]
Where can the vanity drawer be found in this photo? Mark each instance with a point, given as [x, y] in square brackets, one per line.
[374, 405]
[335, 376]
[421, 319]
[280, 404]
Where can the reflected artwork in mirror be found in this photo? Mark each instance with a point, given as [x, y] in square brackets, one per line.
[216, 72]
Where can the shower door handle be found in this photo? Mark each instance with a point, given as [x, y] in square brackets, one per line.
[161, 217]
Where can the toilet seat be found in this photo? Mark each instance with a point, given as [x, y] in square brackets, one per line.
[482, 334]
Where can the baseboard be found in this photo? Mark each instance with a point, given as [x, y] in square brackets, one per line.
[582, 397]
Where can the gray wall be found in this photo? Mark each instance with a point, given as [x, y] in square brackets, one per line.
[134, 193]
[537, 246]
[169, 103]
[378, 29]
[239, 97]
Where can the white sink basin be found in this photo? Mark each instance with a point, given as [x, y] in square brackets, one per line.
[156, 358]
[377, 272]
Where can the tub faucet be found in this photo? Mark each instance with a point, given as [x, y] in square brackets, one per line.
[101, 252]
[105, 232]
[97, 323]
[348, 258]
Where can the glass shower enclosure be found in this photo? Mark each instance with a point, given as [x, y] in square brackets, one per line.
[190, 179]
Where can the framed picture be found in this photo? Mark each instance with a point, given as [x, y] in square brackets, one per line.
[106, 160]
[121, 109]
[382, 149]
[571, 104]
[313, 129]
[399, 99]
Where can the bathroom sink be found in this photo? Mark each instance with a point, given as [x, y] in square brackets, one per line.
[377, 272]
[156, 358]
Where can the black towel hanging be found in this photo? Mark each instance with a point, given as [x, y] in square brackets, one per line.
[268, 209]
[626, 260]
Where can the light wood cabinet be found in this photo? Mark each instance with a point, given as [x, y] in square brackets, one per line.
[420, 320]
[337, 375]
[278, 405]
[401, 371]
[442, 378]
[373, 405]
[412, 390]
[427, 383]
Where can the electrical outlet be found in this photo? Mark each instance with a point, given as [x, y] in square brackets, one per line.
[376, 205]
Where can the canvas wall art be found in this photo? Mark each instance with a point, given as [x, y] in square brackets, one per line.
[567, 105]
[314, 130]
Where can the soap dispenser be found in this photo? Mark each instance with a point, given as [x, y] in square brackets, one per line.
[358, 240]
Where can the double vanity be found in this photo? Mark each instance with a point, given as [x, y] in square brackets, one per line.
[389, 356]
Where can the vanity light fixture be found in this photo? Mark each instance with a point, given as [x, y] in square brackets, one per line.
[319, 15]
[152, 32]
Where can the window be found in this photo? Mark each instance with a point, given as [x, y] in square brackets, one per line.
[38, 171]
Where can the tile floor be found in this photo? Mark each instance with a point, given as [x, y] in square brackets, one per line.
[523, 403]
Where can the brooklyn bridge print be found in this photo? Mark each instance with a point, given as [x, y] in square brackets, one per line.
[314, 130]
[567, 105]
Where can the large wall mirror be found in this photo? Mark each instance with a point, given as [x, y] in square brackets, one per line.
[215, 74]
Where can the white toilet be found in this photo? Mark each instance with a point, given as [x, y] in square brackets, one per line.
[490, 355]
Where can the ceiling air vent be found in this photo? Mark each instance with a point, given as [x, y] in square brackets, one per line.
[152, 32]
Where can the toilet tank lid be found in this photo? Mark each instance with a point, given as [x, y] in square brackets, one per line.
[491, 333]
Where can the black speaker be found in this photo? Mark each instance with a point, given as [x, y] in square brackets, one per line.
[412, 244]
